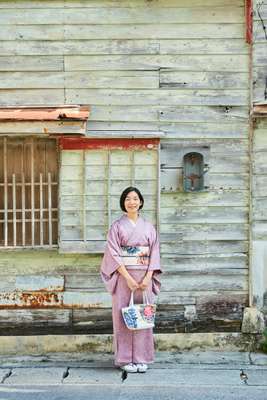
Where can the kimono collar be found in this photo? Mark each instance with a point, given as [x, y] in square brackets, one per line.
[133, 224]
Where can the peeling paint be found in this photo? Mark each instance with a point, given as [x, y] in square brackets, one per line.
[74, 143]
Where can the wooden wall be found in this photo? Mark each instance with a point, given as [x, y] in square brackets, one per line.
[259, 213]
[260, 52]
[171, 67]
[259, 159]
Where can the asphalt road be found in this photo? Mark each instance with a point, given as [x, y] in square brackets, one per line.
[100, 392]
[174, 376]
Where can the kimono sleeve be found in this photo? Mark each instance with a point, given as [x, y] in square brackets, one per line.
[154, 262]
[111, 260]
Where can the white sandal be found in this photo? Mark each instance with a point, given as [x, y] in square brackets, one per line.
[129, 368]
[142, 367]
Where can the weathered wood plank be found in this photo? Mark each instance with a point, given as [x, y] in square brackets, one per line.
[157, 97]
[7, 283]
[203, 263]
[31, 80]
[124, 113]
[27, 262]
[95, 320]
[211, 198]
[239, 146]
[85, 285]
[231, 63]
[122, 16]
[217, 181]
[30, 97]
[259, 80]
[148, 5]
[122, 126]
[87, 282]
[260, 185]
[229, 181]
[125, 134]
[206, 282]
[28, 32]
[113, 80]
[84, 299]
[34, 318]
[203, 80]
[259, 230]
[202, 114]
[205, 247]
[31, 283]
[259, 55]
[204, 215]
[118, 3]
[46, 127]
[154, 31]
[205, 130]
[31, 17]
[226, 114]
[17, 4]
[218, 162]
[259, 167]
[27, 63]
[81, 247]
[260, 209]
[176, 232]
[203, 46]
[72, 47]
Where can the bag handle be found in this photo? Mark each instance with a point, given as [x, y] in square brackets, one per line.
[145, 298]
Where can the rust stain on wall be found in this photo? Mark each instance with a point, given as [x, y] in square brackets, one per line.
[30, 300]
[40, 299]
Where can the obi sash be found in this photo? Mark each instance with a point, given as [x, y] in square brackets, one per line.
[135, 256]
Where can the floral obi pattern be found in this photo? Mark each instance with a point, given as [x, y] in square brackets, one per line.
[135, 255]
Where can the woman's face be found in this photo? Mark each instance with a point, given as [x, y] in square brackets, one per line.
[132, 202]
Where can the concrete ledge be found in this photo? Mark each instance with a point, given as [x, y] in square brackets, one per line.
[38, 345]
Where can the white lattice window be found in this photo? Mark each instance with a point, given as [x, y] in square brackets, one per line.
[91, 181]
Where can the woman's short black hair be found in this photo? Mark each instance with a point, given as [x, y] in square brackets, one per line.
[126, 192]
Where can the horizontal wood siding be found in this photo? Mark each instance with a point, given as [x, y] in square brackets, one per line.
[260, 52]
[174, 68]
[259, 212]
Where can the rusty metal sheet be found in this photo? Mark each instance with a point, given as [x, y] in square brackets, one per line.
[19, 299]
[63, 112]
[260, 109]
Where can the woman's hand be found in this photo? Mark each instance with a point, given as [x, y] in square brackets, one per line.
[132, 284]
[146, 281]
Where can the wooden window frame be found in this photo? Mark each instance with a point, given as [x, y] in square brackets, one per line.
[36, 208]
[85, 244]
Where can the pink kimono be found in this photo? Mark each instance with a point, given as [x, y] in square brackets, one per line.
[130, 346]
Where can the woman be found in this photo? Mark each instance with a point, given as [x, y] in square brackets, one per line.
[127, 235]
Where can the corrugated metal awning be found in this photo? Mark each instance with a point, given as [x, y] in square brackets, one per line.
[259, 110]
[54, 113]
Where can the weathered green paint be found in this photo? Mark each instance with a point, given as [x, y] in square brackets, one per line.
[183, 74]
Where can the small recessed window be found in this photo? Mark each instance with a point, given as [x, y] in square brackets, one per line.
[193, 171]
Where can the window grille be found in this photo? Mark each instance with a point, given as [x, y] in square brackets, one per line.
[28, 187]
